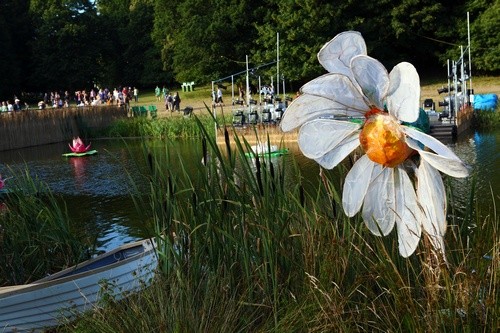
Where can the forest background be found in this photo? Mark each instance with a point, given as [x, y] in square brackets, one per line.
[71, 45]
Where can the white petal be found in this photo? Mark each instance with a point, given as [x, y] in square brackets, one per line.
[356, 185]
[449, 165]
[379, 206]
[372, 77]
[319, 136]
[335, 56]
[408, 214]
[337, 155]
[432, 143]
[403, 98]
[340, 89]
[307, 107]
[432, 197]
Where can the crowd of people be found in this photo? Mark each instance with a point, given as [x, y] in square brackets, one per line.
[172, 102]
[7, 106]
[56, 99]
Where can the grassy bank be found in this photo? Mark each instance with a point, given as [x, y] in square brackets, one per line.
[244, 248]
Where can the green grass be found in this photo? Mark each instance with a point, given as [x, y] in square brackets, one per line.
[244, 248]
[162, 128]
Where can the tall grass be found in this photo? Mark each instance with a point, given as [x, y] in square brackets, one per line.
[245, 248]
[36, 235]
[486, 119]
[161, 128]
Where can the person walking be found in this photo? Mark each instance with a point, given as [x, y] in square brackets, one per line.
[219, 96]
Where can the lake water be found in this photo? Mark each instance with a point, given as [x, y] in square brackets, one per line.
[96, 188]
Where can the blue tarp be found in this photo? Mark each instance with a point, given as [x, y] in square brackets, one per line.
[486, 102]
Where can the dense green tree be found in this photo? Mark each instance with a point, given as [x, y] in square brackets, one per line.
[485, 35]
[74, 44]
[210, 39]
[163, 35]
[305, 26]
[15, 55]
[131, 56]
[65, 44]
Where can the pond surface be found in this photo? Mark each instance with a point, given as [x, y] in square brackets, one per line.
[96, 188]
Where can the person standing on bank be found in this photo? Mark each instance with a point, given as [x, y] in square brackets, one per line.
[177, 102]
[136, 94]
[158, 93]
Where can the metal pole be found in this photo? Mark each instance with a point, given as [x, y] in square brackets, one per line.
[232, 89]
[455, 86]
[283, 89]
[248, 84]
[449, 88]
[277, 64]
[214, 111]
[470, 61]
[260, 95]
[464, 98]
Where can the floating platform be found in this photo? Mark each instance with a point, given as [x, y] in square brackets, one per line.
[451, 128]
[90, 152]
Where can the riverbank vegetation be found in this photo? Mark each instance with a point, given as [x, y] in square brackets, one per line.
[486, 119]
[245, 247]
[37, 237]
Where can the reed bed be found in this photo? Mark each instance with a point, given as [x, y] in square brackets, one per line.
[486, 119]
[244, 247]
[161, 128]
[37, 237]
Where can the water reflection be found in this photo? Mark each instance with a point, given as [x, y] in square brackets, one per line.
[96, 188]
[79, 171]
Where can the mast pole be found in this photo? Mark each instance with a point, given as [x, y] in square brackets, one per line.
[277, 64]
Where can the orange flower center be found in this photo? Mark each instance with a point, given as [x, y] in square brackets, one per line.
[382, 139]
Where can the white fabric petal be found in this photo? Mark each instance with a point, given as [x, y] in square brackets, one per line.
[307, 107]
[451, 166]
[337, 155]
[335, 56]
[379, 208]
[403, 98]
[356, 185]
[408, 214]
[372, 77]
[439, 148]
[432, 198]
[319, 136]
[339, 88]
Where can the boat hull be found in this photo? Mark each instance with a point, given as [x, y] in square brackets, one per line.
[62, 296]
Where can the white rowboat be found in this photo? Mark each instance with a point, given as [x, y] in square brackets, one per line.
[43, 303]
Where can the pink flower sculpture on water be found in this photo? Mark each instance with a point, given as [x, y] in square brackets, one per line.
[78, 146]
[378, 185]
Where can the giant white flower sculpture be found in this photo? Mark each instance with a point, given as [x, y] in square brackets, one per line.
[378, 183]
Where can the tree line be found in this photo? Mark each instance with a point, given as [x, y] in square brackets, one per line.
[75, 44]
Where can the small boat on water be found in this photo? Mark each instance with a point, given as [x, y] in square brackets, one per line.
[42, 304]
